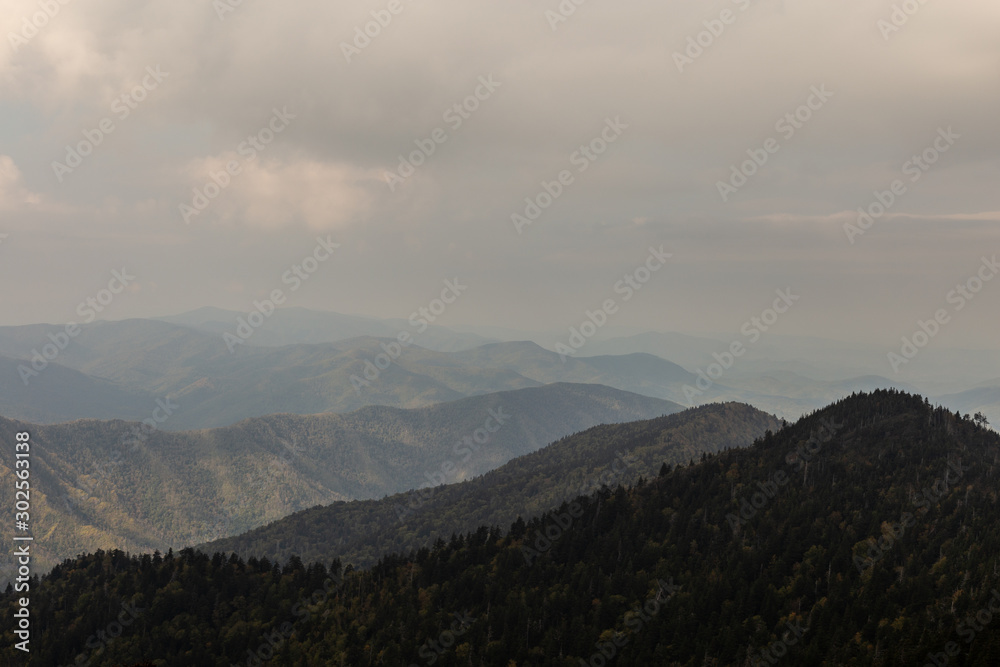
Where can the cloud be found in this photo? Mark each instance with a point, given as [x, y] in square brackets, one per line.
[14, 196]
[353, 121]
[275, 193]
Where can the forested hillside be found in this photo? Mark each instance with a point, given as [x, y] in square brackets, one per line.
[865, 534]
[113, 484]
[360, 532]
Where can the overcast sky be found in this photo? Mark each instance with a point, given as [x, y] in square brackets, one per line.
[679, 125]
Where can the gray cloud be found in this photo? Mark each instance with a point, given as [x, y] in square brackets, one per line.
[656, 185]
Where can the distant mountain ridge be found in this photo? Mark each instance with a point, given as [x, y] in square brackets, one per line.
[120, 369]
[115, 484]
[361, 532]
[295, 325]
[158, 360]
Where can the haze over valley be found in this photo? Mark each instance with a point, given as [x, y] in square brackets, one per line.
[548, 334]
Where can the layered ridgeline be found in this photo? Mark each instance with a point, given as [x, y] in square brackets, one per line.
[361, 532]
[293, 325]
[865, 534]
[63, 394]
[113, 484]
[121, 369]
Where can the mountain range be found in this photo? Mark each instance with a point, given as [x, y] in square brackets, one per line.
[359, 532]
[121, 369]
[863, 534]
[117, 484]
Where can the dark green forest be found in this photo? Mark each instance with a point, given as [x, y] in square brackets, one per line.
[864, 534]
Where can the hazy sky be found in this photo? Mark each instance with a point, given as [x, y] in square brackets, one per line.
[199, 78]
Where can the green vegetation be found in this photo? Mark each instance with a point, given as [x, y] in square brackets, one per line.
[794, 576]
[359, 532]
[109, 484]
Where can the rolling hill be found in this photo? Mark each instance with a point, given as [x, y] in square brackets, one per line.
[295, 325]
[360, 532]
[213, 387]
[128, 365]
[864, 534]
[114, 484]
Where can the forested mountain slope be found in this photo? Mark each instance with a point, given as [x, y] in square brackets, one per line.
[113, 484]
[361, 532]
[876, 546]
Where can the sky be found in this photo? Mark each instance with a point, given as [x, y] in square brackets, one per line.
[738, 137]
